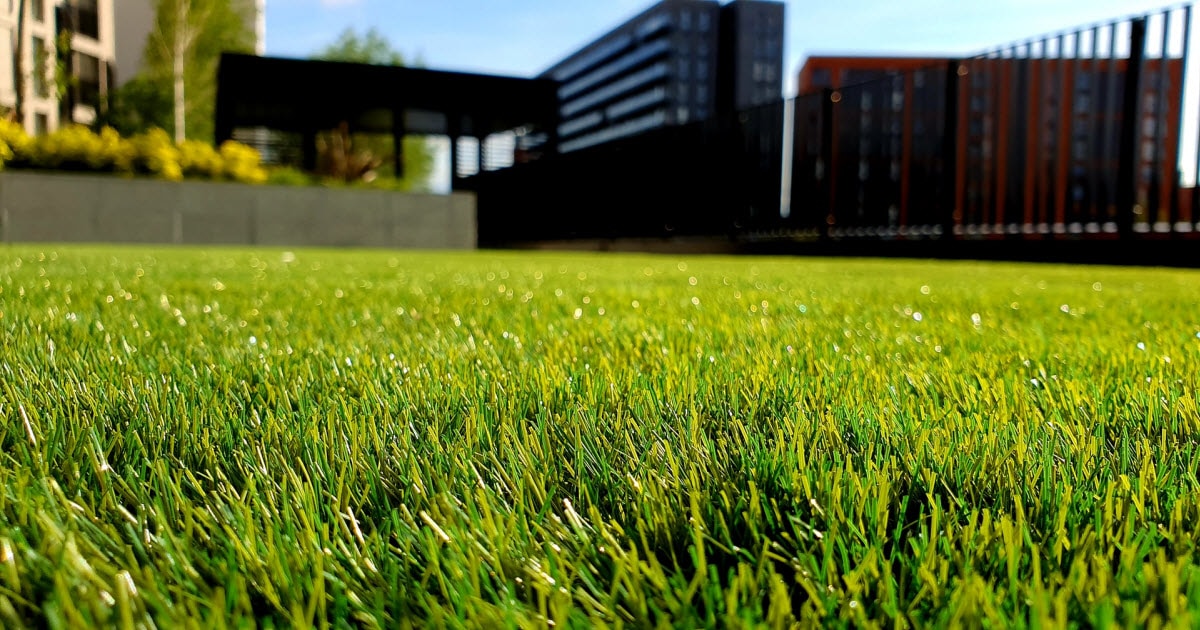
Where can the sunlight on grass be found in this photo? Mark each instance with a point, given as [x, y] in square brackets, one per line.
[517, 439]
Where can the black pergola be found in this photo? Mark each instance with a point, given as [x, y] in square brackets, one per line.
[304, 97]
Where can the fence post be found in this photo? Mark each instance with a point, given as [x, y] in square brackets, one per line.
[1176, 210]
[948, 176]
[1127, 144]
[826, 183]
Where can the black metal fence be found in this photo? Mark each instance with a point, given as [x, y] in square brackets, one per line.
[716, 177]
[1074, 135]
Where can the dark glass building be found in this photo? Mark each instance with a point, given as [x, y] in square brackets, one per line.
[680, 61]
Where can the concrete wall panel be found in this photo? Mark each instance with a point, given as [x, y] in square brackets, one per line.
[90, 208]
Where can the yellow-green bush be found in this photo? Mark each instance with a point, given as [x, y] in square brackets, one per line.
[158, 155]
[77, 148]
[117, 151]
[15, 143]
[200, 159]
[242, 163]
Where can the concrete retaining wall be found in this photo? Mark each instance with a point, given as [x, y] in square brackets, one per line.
[42, 207]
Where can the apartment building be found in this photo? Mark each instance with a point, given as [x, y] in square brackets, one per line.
[677, 62]
[91, 54]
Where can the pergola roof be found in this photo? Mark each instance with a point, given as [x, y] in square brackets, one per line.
[303, 96]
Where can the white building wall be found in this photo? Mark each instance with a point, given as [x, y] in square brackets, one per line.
[134, 19]
[42, 111]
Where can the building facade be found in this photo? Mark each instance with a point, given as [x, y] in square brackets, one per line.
[88, 56]
[680, 61]
[750, 69]
[1030, 135]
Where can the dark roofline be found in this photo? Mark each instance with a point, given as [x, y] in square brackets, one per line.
[290, 94]
[613, 31]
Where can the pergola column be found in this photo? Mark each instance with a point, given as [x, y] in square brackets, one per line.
[398, 133]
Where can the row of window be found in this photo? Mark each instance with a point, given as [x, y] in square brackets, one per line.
[37, 9]
[618, 66]
[630, 127]
[616, 111]
[639, 78]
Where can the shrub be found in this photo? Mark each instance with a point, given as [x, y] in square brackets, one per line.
[289, 176]
[15, 145]
[77, 148]
[242, 163]
[200, 159]
[157, 155]
[116, 152]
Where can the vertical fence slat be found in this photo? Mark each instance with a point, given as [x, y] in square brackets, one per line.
[1096, 140]
[949, 166]
[1111, 139]
[1127, 157]
[1176, 210]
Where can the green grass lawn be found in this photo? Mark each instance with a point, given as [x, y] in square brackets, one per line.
[388, 439]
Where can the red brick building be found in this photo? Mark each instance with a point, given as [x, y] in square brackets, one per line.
[1037, 137]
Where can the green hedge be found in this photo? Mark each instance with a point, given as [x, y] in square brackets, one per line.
[77, 148]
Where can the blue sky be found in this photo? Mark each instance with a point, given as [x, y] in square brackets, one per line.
[523, 37]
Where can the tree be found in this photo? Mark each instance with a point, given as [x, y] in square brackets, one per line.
[138, 105]
[370, 47]
[374, 48]
[181, 56]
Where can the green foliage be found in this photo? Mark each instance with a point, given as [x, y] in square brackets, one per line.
[371, 47]
[141, 104]
[251, 438]
[289, 176]
[340, 150]
[210, 28]
[43, 70]
[63, 79]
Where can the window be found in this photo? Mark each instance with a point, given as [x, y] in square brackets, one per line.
[703, 22]
[685, 20]
[40, 87]
[88, 75]
[38, 9]
[87, 18]
[41, 124]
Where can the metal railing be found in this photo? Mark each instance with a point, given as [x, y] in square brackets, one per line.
[1074, 135]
